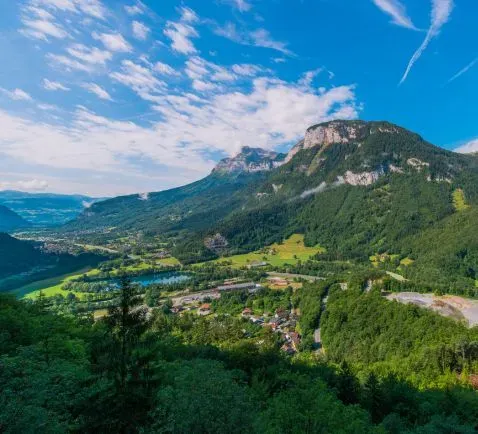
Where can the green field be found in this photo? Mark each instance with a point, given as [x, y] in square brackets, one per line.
[290, 251]
[52, 286]
[169, 262]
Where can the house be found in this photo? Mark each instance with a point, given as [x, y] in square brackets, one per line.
[177, 309]
[294, 339]
[287, 347]
[282, 314]
[204, 309]
[246, 313]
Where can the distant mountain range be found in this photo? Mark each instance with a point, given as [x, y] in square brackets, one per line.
[357, 188]
[45, 209]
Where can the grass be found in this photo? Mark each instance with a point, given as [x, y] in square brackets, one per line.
[459, 201]
[51, 287]
[169, 262]
[291, 251]
[406, 262]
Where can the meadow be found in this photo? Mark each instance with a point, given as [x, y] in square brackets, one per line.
[291, 251]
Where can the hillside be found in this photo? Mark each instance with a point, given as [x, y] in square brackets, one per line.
[10, 220]
[45, 209]
[356, 188]
[25, 261]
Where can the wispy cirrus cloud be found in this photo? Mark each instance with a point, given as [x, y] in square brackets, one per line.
[258, 38]
[241, 5]
[397, 11]
[441, 12]
[464, 70]
[17, 94]
[136, 9]
[97, 90]
[54, 85]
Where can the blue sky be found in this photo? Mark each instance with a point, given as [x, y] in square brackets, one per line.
[113, 97]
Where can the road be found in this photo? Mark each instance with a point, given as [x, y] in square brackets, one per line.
[295, 276]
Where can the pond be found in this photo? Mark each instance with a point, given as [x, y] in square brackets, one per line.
[164, 278]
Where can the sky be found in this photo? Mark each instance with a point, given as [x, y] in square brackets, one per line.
[105, 98]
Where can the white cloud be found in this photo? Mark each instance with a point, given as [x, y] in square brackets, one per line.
[136, 9]
[47, 107]
[138, 78]
[98, 91]
[60, 61]
[93, 8]
[199, 68]
[204, 86]
[463, 70]
[53, 85]
[271, 113]
[469, 147]
[17, 94]
[180, 35]
[309, 76]
[247, 69]
[262, 38]
[42, 29]
[441, 12]
[28, 185]
[256, 38]
[140, 31]
[188, 15]
[113, 41]
[397, 12]
[241, 5]
[90, 55]
[182, 32]
[165, 69]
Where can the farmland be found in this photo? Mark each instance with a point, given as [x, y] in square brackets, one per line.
[291, 251]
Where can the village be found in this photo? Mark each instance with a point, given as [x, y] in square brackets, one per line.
[281, 321]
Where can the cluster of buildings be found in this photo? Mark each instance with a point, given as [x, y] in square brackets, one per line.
[284, 323]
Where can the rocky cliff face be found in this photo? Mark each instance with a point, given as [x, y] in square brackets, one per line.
[250, 160]
[334, 132]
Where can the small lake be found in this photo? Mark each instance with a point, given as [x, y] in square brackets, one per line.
[164, 278]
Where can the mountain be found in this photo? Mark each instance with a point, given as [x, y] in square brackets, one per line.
[45, 209]
[10, 220]
[357, 188]
[194, 206]
[250, 160]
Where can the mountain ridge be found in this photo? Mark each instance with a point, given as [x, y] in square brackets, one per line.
[356, 188]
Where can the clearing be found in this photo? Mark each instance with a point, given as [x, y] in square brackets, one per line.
[291, 251]
[459, 201]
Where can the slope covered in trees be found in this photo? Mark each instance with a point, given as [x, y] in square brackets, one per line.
[133, 372]
[10, 220]
[358, 197]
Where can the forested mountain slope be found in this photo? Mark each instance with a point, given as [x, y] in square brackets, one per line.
[10, 220]
[357, 188]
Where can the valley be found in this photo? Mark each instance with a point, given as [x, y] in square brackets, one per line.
[343, 272]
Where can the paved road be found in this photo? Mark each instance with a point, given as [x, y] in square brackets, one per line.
[295, 276]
